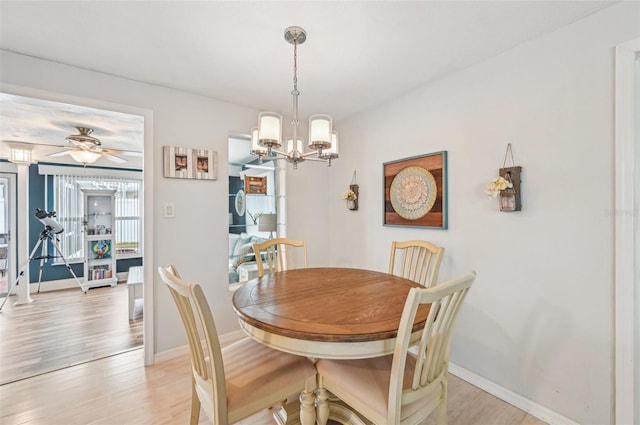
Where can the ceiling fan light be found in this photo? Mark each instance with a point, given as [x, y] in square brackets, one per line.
[85, 157]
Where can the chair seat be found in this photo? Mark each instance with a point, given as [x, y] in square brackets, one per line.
[347, 378]
[249, 388]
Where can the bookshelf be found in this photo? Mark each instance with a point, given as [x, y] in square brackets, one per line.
[99, 238]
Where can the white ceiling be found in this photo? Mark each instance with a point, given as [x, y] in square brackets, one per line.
[358, 54]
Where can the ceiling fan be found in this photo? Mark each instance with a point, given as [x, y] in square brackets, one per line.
[87, 149]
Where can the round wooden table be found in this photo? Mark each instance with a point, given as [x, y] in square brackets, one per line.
[332, 313]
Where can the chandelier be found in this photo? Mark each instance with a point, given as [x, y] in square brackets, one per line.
[266, 139]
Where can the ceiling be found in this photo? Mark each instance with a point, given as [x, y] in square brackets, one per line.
[358, 54]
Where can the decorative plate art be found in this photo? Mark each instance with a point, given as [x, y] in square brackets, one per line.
[240, 203]
[415, 191]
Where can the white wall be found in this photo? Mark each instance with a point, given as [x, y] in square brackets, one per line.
[539, 319]
[196, 240]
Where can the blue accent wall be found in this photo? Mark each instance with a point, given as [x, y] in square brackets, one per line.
[49, 271]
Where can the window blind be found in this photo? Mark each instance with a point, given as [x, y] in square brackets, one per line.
[68, 203]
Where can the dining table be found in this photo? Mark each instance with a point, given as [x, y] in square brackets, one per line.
[330, 313]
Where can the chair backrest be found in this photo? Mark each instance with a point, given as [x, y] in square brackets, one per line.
[206, 360]
[280, 254]
[432, 359]
[418, 261]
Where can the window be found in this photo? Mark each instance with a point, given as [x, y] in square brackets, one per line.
[68, 204]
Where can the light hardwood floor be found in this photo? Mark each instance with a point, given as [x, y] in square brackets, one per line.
[63, 328]
[119, 390]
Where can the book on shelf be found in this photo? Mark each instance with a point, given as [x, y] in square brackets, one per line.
[100, 272]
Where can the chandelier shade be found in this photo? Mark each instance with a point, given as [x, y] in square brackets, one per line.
[269, 135]
[332, 152]
[291, 148]
[256, 149]
[320, 131]
[270, 129]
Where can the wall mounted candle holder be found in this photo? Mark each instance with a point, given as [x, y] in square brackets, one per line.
[510, 197]
[351, 195]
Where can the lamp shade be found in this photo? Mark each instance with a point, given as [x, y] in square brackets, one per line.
[269, 129]
[267, 223]
[320, 127]
[85, 157]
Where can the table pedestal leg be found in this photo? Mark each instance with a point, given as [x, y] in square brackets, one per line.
[322, 406]
[307, 408]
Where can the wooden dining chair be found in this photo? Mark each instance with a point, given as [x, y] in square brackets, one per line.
[280, 254]
[403, 388]
[416, 260]
[240, 379]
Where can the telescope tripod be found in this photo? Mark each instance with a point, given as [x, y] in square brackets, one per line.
[44, 236]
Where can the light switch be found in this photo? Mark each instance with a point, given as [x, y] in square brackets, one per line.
[169, 209]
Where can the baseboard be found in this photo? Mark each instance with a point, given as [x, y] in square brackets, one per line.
[544, 414]
[54, 285]
[522, 403]
[57, 285]
[172, 353]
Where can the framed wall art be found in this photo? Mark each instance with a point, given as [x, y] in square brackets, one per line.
[255, 185]
[415, 191]
[188, 163]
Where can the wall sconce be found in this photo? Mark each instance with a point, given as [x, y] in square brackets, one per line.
[20, 156]
[510, 197]
[351, 195]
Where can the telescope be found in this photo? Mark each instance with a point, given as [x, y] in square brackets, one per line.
[47, 218]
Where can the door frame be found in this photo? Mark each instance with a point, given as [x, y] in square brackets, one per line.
[148, 190]
[627, 236]
[9, 172]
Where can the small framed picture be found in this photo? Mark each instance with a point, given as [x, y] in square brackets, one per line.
[189, 163]
[255, 185]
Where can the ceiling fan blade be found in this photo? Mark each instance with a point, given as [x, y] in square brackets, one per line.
[120, 152]
[132, 153]
[61, 153]
[114, 158]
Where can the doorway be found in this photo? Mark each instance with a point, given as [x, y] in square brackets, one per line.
[52, 295]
